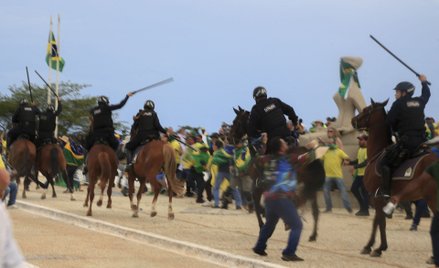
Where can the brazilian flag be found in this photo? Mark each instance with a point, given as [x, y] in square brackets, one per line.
[52, 56]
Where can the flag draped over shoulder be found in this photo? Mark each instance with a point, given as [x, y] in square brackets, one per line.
[52, 56]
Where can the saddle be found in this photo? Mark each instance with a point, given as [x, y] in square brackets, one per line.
[46, 141]
[406, 169]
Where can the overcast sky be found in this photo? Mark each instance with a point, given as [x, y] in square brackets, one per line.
[218, 51]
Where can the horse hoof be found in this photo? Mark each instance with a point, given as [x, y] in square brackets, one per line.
[375, 253]
[312, 238]
[85, 205]
[366, 251]
[171, 216]
[134, 207]
[72, 198]
[108, 206]
[99, 203]
[54, 196]
[89, 213]
[43, 196]
[153, 214]
[135, 215]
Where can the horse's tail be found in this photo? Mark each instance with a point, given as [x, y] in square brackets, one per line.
[105, 167]
[313, 178]
[54, 165]
[170, 167]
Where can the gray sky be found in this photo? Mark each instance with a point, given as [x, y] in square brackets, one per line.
[218, 51]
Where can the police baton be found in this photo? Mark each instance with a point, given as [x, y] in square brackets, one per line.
[398, 59]
[182, 142]
[47, 84]
[170, 79]
[28, 82]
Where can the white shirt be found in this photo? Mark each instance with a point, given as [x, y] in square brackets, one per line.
[10, 254]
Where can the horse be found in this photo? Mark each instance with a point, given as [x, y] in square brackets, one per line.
[22, 154]
[152, 157]
[102, 167]
[51, 162]
[311, 175]
[373, 118]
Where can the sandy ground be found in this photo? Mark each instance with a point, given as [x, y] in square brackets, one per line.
[341, 235]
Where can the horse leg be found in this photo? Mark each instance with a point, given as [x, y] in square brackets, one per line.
[102, 185]
[156, 187]
[109, 189]
[131, 191]
[315, 215]
[86, 197]
[136, 206]
[52, 184]
[170, 211]
[258, 208]
[381, 218]
[44, 186]
[91, 193]
[368, 248]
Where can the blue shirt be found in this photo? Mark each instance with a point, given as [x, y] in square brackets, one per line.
[285, 179]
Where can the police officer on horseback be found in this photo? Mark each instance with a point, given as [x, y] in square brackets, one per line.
[146, 127]
[407, 121]
[24, 122]
[102, 128]
[267, 115]
[47, 124]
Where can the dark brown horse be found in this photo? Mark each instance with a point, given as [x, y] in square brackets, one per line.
[22, 153]
[311, 175]
[102, 167]
[373, 118]
[153, 157]
[51, 162]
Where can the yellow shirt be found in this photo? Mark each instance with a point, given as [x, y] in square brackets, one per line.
[2, 165]
[332, 161]
[361, 156]
[177, 150]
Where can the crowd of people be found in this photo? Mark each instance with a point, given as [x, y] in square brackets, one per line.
[216, 171]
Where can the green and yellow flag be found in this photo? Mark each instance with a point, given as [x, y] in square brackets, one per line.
[52, 56]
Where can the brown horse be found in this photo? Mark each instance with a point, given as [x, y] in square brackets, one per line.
[373, 118]
[22, 153]
[154, 156]
[51, 162]
[311, 175]
[102, 167]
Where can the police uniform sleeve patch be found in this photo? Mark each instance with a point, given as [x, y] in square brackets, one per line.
[413, 104]
[270, 107]
[97, 111]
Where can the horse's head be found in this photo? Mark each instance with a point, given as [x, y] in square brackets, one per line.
[239, 125]
[370, 115]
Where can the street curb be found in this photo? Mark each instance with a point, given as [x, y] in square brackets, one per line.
[197, 251]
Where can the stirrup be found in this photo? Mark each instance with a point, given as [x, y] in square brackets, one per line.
[379, 193]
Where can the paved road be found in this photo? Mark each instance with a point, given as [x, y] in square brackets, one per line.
[341, 235]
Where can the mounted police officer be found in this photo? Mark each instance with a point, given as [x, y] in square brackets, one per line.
[146, 127]
[102, 128]
[24, 122]
[407, 121]
[267, 115]
[47, 124]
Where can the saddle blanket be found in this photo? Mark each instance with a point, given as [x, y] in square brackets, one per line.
[406, 170]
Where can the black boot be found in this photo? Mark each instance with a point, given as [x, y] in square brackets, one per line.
[386, 176]
[129, 160]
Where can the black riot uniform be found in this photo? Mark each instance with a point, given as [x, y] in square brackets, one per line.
[267, 115]
[146, 127]
[102, 123]
[24, 122]
[407, 121]
[47, 124]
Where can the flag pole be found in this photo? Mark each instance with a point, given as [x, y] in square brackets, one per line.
[57, 73]
[50, 62]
